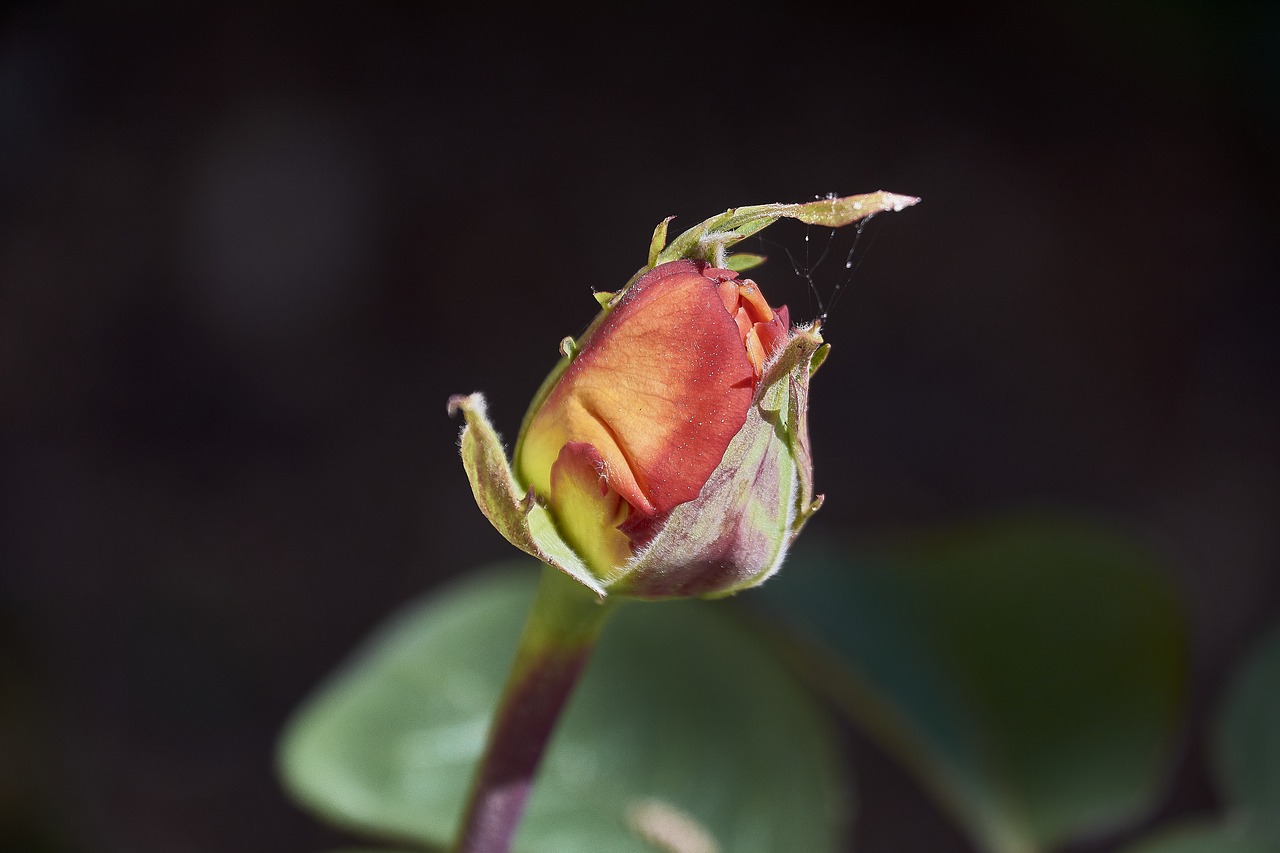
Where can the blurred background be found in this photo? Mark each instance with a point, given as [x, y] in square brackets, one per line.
[246, 256]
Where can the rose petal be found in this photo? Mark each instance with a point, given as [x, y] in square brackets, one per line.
[659, 388]
[586, 509]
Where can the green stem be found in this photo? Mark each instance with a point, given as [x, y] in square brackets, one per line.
[558, 638]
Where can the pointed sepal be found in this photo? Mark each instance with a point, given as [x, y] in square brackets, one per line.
[798, 395]
[658, 242]
[709, 240]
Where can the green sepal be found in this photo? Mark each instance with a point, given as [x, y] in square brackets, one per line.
[806, 502]
[708, 240]
[521, 519]
[658, 241]
[819, 359]
[735, 534]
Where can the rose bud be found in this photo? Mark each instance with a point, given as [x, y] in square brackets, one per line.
[667, 455]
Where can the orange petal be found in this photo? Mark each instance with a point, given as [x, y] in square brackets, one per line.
[755, 303]
[744, 322]
[729, 295]
[659, 389]
[756, 350]
[772, 335]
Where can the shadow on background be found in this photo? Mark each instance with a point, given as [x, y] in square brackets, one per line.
[246, 257]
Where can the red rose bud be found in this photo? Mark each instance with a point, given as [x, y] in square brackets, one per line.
[667, 454]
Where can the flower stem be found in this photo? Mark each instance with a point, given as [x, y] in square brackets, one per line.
[557, 640]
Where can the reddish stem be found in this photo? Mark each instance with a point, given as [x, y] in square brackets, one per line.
[557, 641]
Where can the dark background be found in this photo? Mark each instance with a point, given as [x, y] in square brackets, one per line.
[245, 258]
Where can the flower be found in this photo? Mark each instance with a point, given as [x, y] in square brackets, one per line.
[667, 454]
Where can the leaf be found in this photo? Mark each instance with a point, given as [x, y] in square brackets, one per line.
[1245, 747]
[1198, 837]
[743, 261]
[683, 716]
[1029, 671]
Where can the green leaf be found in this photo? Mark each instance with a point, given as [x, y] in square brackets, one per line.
[1200, 838]
[1029, 671]
[683, 716]
[1246, 743]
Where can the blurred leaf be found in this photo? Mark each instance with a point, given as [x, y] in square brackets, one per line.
[743, 261]
[1245, 751]
[1029, 671]
[1246, 743]
[683, 714]
[1200, 838]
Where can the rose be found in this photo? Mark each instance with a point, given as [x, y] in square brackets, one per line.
[669, 449]
[667, 454]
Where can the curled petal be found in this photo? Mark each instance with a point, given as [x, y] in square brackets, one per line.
[587, 510]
